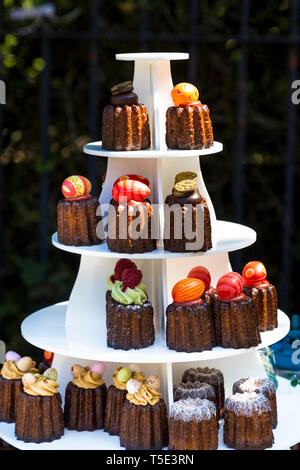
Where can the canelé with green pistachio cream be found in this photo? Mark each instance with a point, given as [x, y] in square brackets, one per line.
[39, 416]
[85, 398]
[129, 313]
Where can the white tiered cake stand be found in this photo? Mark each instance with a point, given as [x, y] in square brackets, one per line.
[76, 330]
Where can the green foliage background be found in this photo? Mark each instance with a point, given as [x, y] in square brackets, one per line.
[26, 281]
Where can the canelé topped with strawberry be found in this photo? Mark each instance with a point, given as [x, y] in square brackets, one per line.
[190, 325]
[262, 293]
[235, 317]
[188, 124]
[78, 214]
[130, 216]
[129, 313]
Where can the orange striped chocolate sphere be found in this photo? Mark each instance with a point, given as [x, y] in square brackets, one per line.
[188, 290]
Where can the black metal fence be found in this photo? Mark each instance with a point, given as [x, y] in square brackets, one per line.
[50, 41]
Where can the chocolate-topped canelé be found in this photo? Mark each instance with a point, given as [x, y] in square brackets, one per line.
[125, 124]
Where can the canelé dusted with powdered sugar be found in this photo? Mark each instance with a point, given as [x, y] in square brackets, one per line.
[259, 385]
[125, 124]
[193, 425]
[188, 124]
[248, 422]
[211, 376]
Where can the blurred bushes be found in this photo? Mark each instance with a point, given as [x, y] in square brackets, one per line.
[26, 282]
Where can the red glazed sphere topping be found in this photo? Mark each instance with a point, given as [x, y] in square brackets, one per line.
[230, 286]
[188, 290]
[254, 273]
[140, 178]
[76, 186]
[202, 273]
[48, 356]
[130, 190]
[131, 278]
[121, 265]
[184, 94]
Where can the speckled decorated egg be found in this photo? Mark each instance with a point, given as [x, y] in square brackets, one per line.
[76, 186]
[202, 273]
[51, 374]
[153, 381]
[133, 386]
[130, 190]
[254, 273]
[184, 93]
[188, 290]
[76, 370]
[28, 379]
[230, 286]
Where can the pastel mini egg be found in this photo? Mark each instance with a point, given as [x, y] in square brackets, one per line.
[133, 386]
[184, 93]
[51, 374]
[76, 186]
[153, 381]
[98, 368]
[24, 364]
[28, 379]
[12, 356]
[124, 375]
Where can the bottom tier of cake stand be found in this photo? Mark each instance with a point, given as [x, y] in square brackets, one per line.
[286, 435]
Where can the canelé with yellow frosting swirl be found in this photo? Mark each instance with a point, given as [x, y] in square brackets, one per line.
[144, 422]
[39, 416]
[129, 313]
[11, 386]
[116, 396]
[85, 398]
